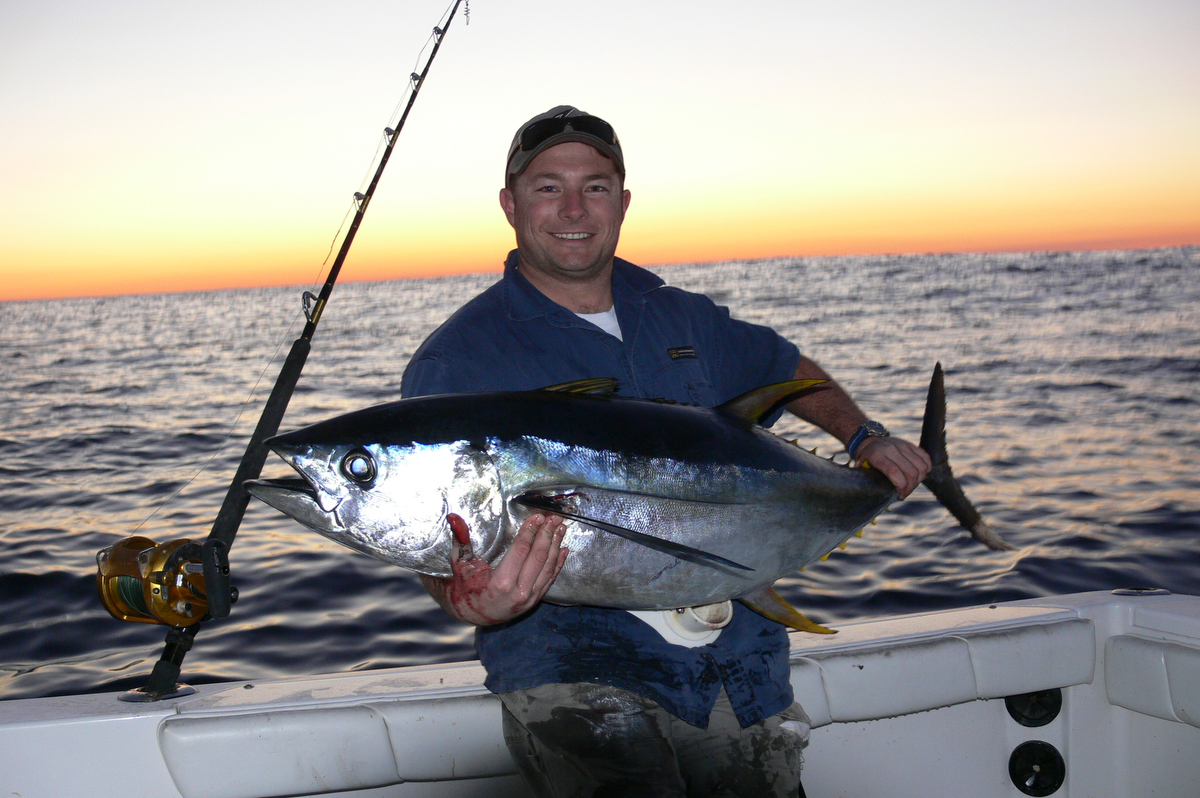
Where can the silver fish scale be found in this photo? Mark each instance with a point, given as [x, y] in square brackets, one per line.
[772, 522]
[536, 460]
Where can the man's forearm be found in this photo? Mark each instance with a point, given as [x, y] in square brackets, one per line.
[830, 407]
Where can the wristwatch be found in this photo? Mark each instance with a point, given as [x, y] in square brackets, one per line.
[867, 429]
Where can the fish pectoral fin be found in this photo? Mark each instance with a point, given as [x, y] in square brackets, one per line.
[548, 504]
[758, 404]
[601, 386]
[769, 604]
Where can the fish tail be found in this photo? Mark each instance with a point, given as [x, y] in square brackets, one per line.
[941, 481]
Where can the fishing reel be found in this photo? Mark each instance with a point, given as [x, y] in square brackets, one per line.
[178, 583]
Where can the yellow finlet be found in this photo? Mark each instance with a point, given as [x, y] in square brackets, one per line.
[769, 604]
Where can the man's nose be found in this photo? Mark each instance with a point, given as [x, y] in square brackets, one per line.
[572, 205]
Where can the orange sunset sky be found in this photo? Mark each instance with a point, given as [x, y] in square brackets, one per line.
[149, 146]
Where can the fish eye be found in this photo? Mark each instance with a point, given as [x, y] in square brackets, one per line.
[359, 467]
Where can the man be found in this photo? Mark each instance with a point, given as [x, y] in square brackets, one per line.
[596, 701]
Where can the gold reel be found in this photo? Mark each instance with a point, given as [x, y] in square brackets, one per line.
[178, 583]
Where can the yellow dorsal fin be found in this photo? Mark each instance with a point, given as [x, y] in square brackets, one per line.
[769, 604]
[757, 404]
[604, 386]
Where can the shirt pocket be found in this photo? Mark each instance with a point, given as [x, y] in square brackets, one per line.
[685, 380]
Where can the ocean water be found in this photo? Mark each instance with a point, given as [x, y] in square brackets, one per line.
[1074, 425]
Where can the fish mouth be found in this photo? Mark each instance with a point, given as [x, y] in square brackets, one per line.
[298, 498]
[292, 484]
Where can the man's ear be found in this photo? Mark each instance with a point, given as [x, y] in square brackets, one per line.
[509, 204]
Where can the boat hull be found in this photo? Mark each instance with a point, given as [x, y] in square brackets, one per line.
[919, 697]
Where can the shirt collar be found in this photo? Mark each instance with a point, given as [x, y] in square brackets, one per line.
[522, 301]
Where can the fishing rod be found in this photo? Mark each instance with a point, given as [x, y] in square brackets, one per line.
[183, 583]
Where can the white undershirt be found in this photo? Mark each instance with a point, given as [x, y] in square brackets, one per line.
[606, 321]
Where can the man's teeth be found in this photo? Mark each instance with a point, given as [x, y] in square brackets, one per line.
[572, 236]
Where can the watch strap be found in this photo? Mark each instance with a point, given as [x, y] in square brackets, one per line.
[867, 429]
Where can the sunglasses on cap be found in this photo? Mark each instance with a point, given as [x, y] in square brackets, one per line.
[542, 130]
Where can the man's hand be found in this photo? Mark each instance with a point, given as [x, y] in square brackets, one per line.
[905, 464]
[482, 595]
[832, 409]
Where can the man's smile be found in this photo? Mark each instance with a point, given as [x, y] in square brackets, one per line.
[572, 236]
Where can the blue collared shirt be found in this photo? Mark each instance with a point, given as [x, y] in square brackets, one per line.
[675, 345]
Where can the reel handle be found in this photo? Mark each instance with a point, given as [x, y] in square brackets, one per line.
[214, 556]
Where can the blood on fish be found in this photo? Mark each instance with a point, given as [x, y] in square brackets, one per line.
[462, 533]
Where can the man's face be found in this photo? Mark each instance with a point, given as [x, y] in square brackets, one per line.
[567, 208]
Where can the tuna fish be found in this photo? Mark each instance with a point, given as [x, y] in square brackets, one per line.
[672, 505]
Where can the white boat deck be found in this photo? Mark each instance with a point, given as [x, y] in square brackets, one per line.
[904, 706]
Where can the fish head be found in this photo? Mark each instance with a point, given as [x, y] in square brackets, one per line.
[389, 500]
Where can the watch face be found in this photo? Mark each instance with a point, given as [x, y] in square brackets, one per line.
[875, 428]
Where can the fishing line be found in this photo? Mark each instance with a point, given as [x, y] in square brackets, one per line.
[394, 120]
[233, 427]
[283, 339]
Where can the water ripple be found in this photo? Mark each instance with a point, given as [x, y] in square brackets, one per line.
[1074, 415]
